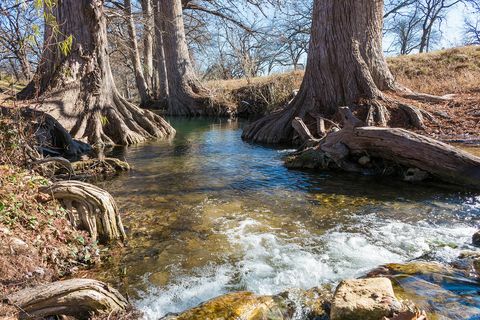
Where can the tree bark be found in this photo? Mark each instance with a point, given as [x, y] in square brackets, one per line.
[76, 86]
[345, 64]
[142, 85]
[160, 66]
[148, 28]
[186, 95]
[79, 298]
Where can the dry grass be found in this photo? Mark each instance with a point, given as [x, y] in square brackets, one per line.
[441, 72]
[257, 96]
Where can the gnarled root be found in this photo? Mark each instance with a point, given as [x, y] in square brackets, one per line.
[355, 147]
[272, 129]
[90, 208]
[80, 298]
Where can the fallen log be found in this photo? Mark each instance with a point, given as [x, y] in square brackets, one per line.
[80, 298]
[90, 208]
[397, 146]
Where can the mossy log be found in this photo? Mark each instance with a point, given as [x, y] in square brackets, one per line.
[80, 298]
[398, 146]
[90, 208]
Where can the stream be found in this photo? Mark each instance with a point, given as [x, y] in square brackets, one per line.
[207, 213]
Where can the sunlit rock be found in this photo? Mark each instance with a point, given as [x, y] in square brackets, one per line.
[366, 299]
[295, 304]
[442, 291]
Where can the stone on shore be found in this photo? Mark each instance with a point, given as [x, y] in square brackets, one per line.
[366, 299]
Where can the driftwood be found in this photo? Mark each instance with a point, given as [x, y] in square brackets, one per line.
[401, 147]
[80, 298]
[90, 208]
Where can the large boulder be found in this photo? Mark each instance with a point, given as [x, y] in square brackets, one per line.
[366, 299]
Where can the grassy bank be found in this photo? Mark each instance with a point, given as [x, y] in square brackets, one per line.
[442, 72]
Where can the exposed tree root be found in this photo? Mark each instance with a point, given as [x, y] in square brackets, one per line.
[278, 127]
[376, 150]
[428, 97]
[79, 298]
[62, 162]
[90, 208]
[106, 121]
[274, 128]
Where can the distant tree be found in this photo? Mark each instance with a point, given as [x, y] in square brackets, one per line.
[472, 24]
[142, 86]
[186, 95]
[294, 31]
[416, 24]
[433, 13]
[20, 37]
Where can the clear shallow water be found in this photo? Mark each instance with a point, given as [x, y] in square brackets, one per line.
[207, 213]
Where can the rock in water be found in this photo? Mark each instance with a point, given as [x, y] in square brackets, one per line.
[476, 239]
[366, 299]
[295, 304]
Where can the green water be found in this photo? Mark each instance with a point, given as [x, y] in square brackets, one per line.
[207, 213]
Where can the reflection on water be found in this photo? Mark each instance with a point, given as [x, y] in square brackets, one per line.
[207, 213]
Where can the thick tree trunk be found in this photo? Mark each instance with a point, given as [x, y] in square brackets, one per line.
[142, 85]
[345, 63]
[160, 66]
[76, 86]
[148, 28]
[186, 95]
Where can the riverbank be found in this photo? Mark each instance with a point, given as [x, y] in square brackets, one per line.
[39, 242]
[453, 71]
[39, 245]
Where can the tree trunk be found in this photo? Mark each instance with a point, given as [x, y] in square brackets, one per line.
[142, 85]
[76, 85]
[160, 68]
[345, 63]
[25, 64]
[186, 96]
[148, 28]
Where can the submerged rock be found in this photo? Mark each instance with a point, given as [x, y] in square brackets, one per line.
[295, 304]
[366, 299]
[442, 291]
[476, 239]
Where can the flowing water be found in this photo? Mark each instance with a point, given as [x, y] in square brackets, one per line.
[208, 214]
